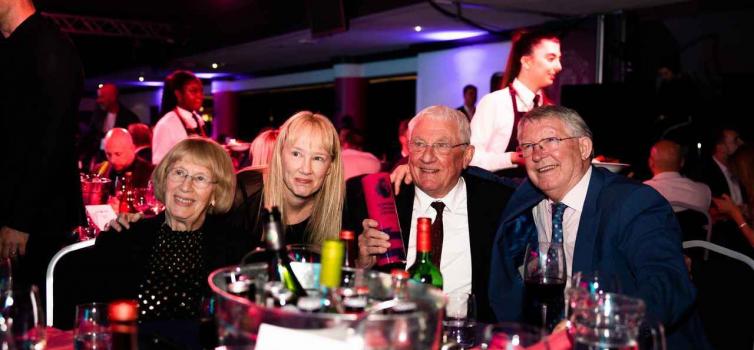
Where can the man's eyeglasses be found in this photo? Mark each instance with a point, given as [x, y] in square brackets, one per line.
[547, 144]
[200, 181]
[442, 148]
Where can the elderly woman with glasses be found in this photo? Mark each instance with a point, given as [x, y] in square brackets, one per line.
[163, 262]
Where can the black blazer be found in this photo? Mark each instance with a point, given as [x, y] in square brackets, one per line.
[711, 174]
[486, 197]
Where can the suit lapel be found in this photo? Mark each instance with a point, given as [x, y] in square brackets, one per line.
[404, 203]
[477, 217]
[584, 251]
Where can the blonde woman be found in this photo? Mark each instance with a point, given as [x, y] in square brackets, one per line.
[304, 179]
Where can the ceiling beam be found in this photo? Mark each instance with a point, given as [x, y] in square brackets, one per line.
[102, 26]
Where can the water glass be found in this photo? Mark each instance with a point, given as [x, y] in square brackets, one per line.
[24, 311]
[92, 328]
[460, 319]
[511, 336]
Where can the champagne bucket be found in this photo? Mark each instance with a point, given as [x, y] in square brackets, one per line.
[94, 190]
[239, 320]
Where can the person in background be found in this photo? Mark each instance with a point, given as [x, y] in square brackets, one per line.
[471, 200]
[742, 167]
[41, 84]
[163, 262]
[469, 101]
[715, 170]
[142, 138]
[665, 162]
[533, 64]
[110, 113]
[606, 222]
[262, 147]
[121, 158]
[355, 161]
[182, 100]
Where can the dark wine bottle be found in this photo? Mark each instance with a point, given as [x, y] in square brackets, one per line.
[423, 270]
[351, 253]
[279, 264]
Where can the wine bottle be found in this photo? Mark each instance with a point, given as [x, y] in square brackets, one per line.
[331, 263]
[128, 195]
[279, 264]
[423, 270]
[351, 253]
[122, 315]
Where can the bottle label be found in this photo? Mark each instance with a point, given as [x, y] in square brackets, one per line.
[380, 202]
[331, 264]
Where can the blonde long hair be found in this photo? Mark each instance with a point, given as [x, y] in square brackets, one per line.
[325, 219]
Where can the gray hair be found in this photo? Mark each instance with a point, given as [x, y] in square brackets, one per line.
[439, 112]
[572, 120]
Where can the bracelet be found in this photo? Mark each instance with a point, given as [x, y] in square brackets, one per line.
[743, 225]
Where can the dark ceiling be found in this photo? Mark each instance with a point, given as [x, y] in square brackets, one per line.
[198, 25]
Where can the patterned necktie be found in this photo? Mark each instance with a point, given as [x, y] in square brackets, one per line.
[557, 229]
[557, 222]
[437, 233]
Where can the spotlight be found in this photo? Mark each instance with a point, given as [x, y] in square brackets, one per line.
[418, 28]
[100, 85]
[141, 78]
[215, 65]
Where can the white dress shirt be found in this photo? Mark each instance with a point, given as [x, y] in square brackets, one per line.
[574, 199]
[169, 131]
[456, 246]
[492, 125]
[733, 186]
[676, 188]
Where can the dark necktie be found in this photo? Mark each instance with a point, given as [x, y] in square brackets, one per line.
[557, 227]
[437, 233]
[535, 102]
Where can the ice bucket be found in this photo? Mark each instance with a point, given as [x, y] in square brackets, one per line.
[239, 320]
[94, 189]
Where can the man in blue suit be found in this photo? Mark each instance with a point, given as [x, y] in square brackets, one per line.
[608, 223]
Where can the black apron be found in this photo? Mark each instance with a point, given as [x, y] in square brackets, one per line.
[198, 130]
[518, 173]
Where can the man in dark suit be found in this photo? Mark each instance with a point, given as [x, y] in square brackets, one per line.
[606, 222]
[469, 101]
[40, 88]
[714, 171]
[121, 159]
[473, 199]
[111, 113]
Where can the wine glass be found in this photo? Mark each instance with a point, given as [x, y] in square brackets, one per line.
[24, 311]
[92, 328]
[305, 253]
[6, 275]
[511, 336]
[460, 319]
[544, 280]
[589, 284]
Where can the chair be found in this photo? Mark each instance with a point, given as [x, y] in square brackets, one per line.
[725, 286]
[66, 283]
[695, 222]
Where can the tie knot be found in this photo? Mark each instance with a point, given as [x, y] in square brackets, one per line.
[535, 101]
[558, 208]
[439, 206]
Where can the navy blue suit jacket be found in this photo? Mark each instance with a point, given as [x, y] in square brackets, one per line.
[626, 229]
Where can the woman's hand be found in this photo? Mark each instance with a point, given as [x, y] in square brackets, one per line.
[123, 221]
[400, 174]
[371, 242]
[726, 206]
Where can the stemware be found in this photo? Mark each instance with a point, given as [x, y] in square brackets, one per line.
[22, 309]
[544, 280]
[460, 319]
[92, 328]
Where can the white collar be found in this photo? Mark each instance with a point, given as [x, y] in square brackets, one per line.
[523, 92]
[667, 175]
[453, 200]
[576, 197]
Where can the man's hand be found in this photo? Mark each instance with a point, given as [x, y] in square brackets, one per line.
[12, 242]
[124, 220]
[517, 158]
[400, 174]
[371, 242]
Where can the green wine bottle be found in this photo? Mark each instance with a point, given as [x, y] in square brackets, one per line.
[279, 264]
[423, 270]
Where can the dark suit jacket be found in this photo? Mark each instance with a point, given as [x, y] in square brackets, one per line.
[141, 171]
[627, 230]
[123, 119]
[40, 88]
[711, 174]
[486, 198]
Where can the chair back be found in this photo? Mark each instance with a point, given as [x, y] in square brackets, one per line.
[69, 283]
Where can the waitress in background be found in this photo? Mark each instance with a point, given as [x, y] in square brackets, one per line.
[182, 99]
[533, 64]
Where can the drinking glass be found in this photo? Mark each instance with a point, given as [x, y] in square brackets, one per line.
[511, 336]
[6, 275]
[92, 328]
[306, 253]
[544, 280]
[593, 283]
[22, 308]
[460, 319]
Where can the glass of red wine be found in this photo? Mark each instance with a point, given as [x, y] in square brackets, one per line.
[544, 281]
